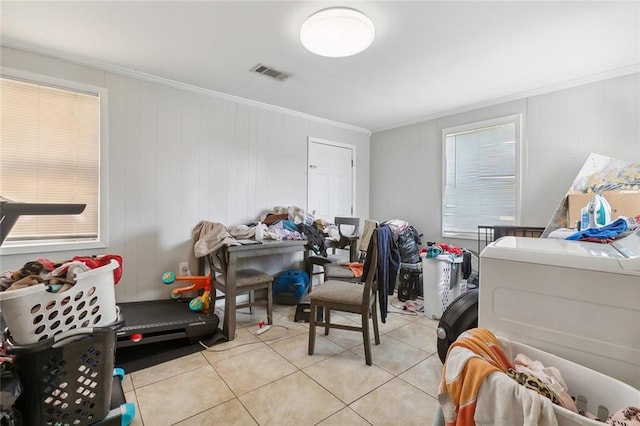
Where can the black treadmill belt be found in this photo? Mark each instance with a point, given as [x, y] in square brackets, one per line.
[158, 313]
[161, 320]
[169, 330]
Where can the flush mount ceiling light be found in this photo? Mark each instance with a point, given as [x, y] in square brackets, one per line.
[337, 32]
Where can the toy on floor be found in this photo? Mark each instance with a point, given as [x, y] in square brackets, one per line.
[197, 304]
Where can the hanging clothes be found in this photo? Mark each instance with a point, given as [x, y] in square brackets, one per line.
[388, 263]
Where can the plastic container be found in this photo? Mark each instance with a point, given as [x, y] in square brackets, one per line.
[67, 379]
[33, 314]
[441, 278]
[595, 392]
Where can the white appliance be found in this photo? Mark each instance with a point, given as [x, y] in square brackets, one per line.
[578, 300]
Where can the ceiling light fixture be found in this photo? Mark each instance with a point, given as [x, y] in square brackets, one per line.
[337, 32]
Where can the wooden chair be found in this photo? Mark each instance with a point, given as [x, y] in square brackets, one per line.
[349, 238]
[348, 297]
[336, 271]
[247, 281]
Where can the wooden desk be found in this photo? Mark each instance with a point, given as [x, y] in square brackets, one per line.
[267, 248]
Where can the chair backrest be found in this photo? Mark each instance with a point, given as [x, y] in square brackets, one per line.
[371, 281]
[353, 222]
[217, 262]
[367, 232]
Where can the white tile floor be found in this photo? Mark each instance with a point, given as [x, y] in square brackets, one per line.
[271, 380]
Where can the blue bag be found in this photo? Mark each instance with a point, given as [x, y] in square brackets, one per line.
[292, 281]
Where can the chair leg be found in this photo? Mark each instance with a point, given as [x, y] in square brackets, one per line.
[367, 341]
[327, 319]
[374, 317]
[312, 327]
[269, 305]
[252, 299]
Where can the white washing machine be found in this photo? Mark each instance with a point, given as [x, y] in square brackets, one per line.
[577, 300]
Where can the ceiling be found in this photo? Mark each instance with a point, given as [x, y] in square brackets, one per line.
[428, 59]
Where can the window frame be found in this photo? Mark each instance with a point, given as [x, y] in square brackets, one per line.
[27, 247]
[516, 119]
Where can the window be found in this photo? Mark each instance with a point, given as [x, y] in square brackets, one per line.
[480, 176]
[50, 141]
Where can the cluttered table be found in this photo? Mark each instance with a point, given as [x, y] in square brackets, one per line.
[263, 248]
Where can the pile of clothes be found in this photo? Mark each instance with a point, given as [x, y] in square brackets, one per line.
[282, 223]
[470, 393]
[57, 276]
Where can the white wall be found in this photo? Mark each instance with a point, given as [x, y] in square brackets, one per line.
[560, 129]
[177, 156]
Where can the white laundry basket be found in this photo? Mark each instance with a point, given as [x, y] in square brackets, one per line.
[441, 278]
[598, 390]
[33, 314]
[602, 395]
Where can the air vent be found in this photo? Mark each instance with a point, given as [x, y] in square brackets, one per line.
[270, 72]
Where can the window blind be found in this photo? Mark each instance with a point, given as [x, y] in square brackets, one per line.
[479, 178]
[50, 153]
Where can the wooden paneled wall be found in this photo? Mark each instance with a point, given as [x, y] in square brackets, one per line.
[179, 155]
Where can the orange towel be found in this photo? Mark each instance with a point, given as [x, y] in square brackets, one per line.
[471, 358]
[356, 268]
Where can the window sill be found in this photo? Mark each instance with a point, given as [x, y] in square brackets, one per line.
[461, 235]
[52, 247]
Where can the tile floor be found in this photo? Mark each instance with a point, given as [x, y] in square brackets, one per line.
[271, 380]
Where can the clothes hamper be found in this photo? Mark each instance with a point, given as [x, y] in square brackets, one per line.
[600, 394]
[595, 392]
[441, 278]
[33, 313]
[67, 379]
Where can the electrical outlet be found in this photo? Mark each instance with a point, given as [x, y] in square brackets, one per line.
[183, 268]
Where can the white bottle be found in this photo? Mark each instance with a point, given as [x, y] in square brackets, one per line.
[260, 229]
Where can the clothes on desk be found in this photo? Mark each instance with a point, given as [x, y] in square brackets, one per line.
[283, 230]
[315, 239]
[242, 232]
[209, 237]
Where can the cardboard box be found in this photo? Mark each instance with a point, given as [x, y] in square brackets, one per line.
[622, 202]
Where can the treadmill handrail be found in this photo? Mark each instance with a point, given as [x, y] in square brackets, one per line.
[11, 211]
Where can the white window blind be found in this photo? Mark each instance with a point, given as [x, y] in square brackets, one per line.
[50, 153]
[479, 176]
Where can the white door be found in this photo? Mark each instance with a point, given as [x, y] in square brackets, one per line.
[331, 189]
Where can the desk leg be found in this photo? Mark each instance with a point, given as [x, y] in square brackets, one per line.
[308, 268]
[229, 327]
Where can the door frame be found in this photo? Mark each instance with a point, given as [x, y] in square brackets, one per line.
[352, 148]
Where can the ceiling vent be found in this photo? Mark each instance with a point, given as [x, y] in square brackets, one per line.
[270, 72]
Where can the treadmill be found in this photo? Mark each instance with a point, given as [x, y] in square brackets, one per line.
[145, 322]
[160, 320]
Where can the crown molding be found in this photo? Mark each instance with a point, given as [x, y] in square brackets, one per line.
[115, 69]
